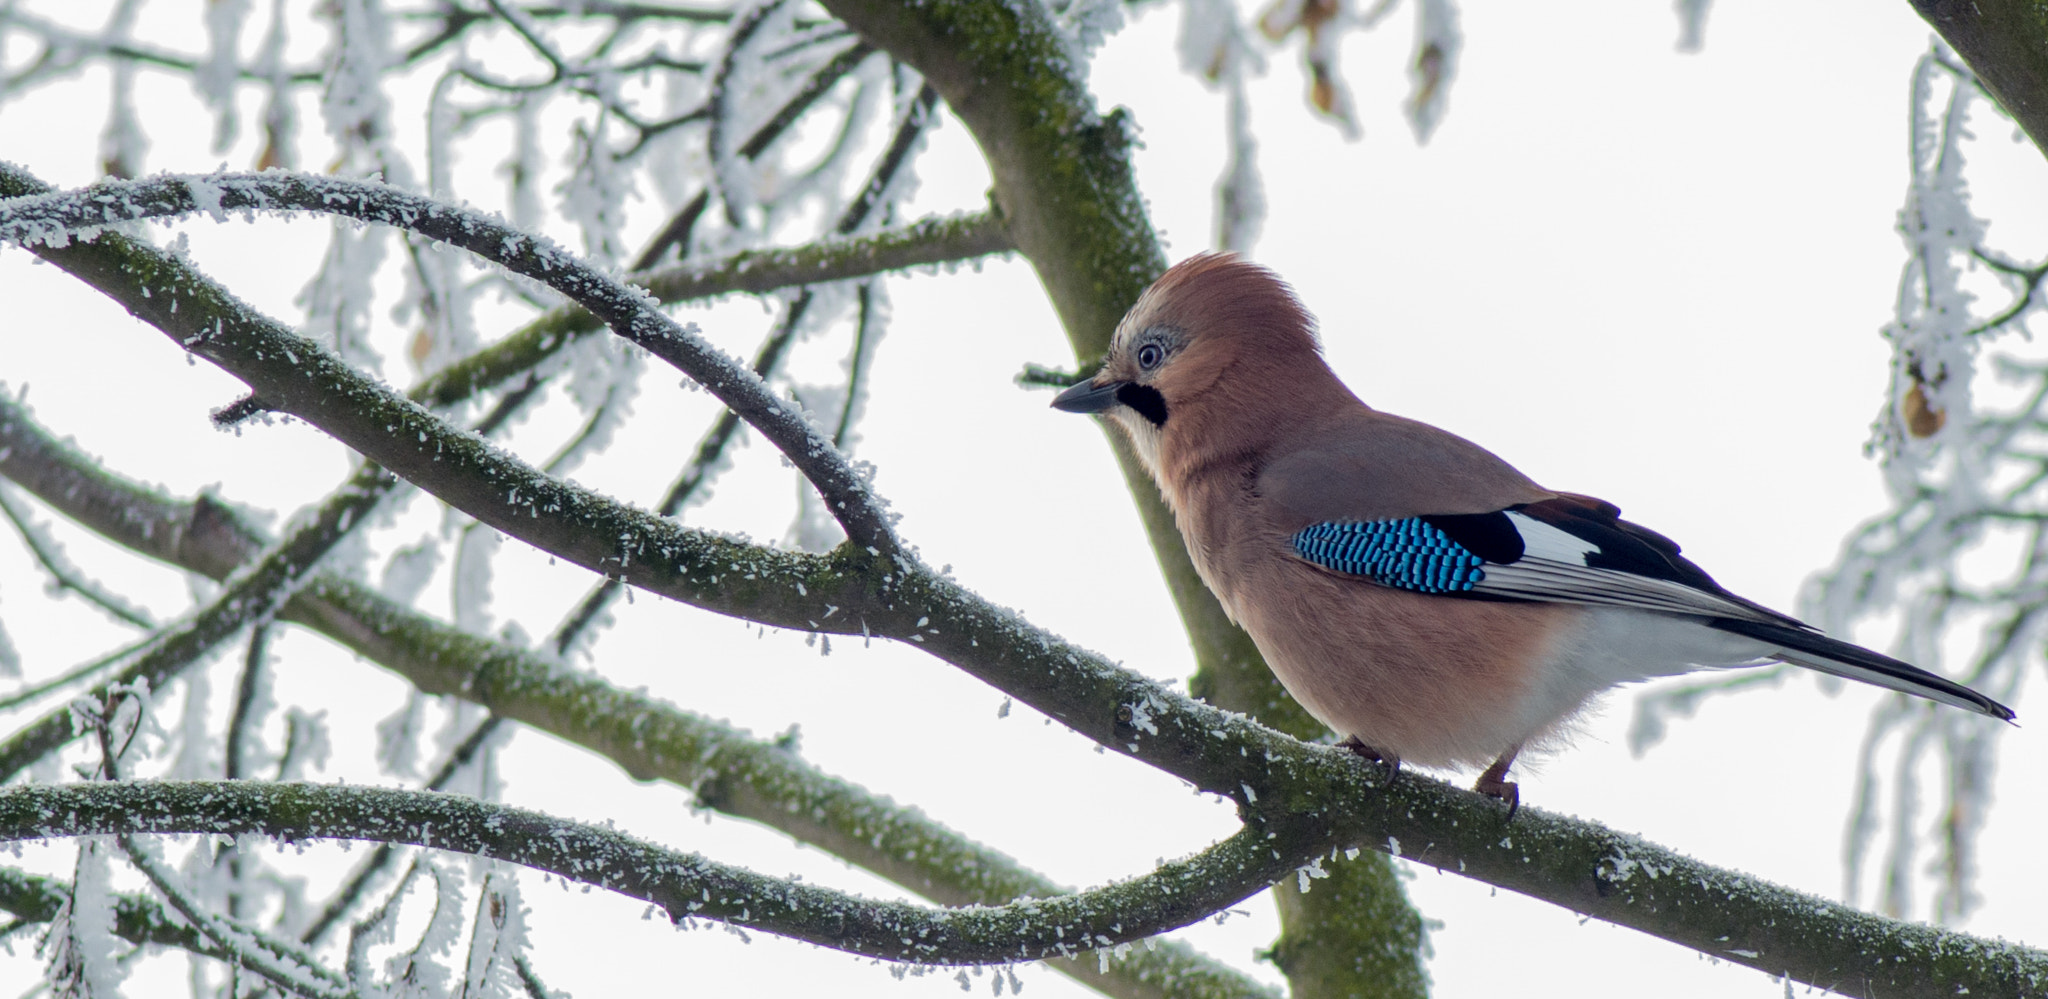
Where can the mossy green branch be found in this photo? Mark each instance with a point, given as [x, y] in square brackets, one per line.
[1063, 176]
[1064, 179]
[685, 885]
[252, 593]
[1305, 797]
[2006, 44]
[290, 374]
[923, 243]
[138, 919]
[728, 770]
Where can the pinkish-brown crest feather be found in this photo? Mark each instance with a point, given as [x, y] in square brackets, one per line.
[1224, 294]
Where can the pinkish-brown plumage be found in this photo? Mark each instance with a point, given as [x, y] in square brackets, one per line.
[1412, 676]
[1218, 378]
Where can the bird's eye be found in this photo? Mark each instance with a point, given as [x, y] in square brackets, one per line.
[1149, 356]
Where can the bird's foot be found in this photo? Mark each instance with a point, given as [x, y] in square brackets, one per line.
[1494, 783]
[1393, 762]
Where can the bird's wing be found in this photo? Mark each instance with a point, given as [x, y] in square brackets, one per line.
[1577, 549]
[1565, 549]
[1409, 505]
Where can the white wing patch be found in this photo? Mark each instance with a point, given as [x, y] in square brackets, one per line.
[1542, 541]
[1553, 568]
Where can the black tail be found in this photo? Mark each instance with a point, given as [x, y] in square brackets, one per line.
[1814, 650]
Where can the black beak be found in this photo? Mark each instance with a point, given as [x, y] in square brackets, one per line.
[1087, 397]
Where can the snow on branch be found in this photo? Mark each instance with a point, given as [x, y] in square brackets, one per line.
[64, 575]
[53, 219]
[282, 962]
[750, 272]
[1960, 562]
[1306, 797]
[685, 885]
[726, 769]
[138, 919]
[252, 594]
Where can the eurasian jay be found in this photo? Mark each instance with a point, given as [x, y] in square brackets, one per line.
[1415, 593]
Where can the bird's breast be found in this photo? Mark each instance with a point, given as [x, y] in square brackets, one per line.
[1436, 680]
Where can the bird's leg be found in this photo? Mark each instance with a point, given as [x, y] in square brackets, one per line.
[1494, 783]
[1393, 762]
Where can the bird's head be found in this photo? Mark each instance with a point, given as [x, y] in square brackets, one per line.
[1215, 335]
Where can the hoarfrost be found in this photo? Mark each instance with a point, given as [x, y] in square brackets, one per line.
[1085, 25]
[80, 942]
[743, 96]
[1692, 23]
[1957, 562]
[196, 759]
[418, 972]
[124, 142]
[307, 745]
[280, 117]
[353, 104]
[398, 737]
[524, 165]
[595, 194]
[10, 658]
[409, 570]
[814, 529]
[216, 76]
[603, 382]
[472, 578]
[497, 939]
[338, 298]
[1438, 44]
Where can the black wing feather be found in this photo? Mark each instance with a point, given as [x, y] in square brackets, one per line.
[1491, 536]
[1855, 662]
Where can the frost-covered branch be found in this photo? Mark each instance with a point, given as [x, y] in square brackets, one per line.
[675, 234]
[138, 919]
[1962, 557]
[281, 962]
[52, 219]
[924, 243]
[1065, 185]
[253, 594]
[685, 885]
[351, 891]
[726, 769]
[1561, 860]
[65, 576]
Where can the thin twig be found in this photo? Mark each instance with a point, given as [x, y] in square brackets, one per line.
[65, 576]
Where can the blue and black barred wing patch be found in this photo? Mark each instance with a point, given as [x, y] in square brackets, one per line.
[1411, 553]
[1572, 549]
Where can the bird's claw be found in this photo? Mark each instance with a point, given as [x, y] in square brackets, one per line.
[1494, 783]
[1392, 761]
[1505, 790]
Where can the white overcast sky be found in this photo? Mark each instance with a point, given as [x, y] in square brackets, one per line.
[1649, 276]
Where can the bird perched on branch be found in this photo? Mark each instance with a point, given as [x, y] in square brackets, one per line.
[1415, 593]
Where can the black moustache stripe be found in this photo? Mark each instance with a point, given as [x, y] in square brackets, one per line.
[1146, 400]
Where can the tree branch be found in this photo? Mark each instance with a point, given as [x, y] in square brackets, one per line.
[725, 769]
[686, 885]
[138, 919]
[65, 576]
[253, 594]
[1064, 180]
[2006, 44]
[50, 219]
[752, 272]
[281, 962]
[1577, 864]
